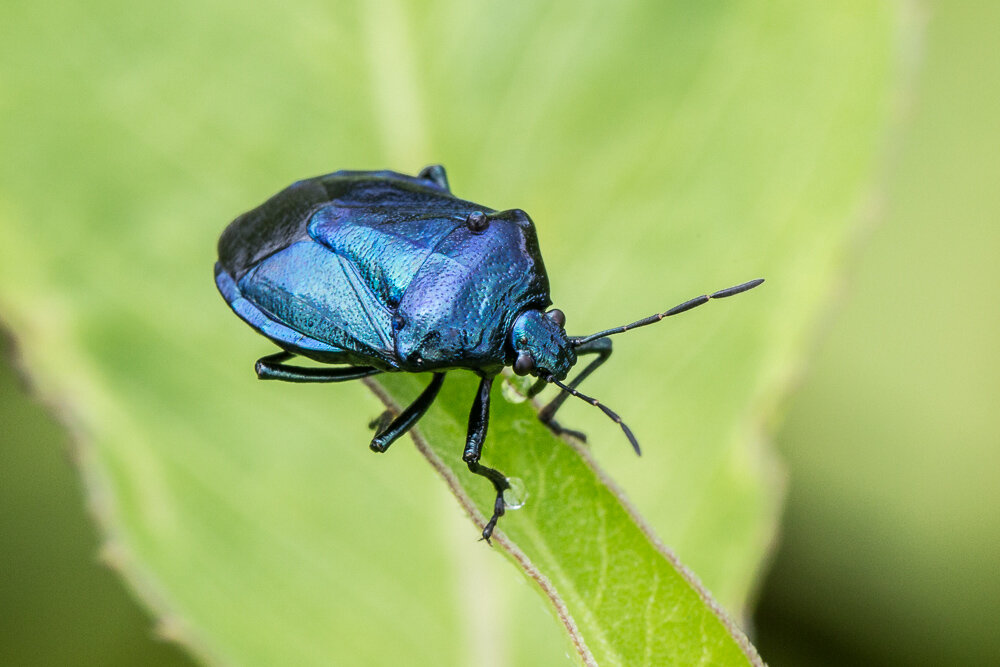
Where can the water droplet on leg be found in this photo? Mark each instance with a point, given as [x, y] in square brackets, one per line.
[515, 497]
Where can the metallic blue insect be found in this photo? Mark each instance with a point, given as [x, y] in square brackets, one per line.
[378, 272]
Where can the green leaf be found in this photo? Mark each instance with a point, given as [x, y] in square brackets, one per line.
[663, 149]
[623, 598]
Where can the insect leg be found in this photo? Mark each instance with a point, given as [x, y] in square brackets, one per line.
[435, 173]
[389, 433]
[272, 367]
[602, 348]
[479, 419]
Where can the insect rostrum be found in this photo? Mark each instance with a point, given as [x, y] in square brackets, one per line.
[374, 272]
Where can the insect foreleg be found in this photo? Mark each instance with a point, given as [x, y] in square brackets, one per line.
[272, 368]
[602, 348]
[387, 434]
[479, 419]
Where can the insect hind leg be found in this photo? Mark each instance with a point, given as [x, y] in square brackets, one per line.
[435, 173]
[272, 367]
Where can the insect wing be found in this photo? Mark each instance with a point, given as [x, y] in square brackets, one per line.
[386, 245]
[313, 291]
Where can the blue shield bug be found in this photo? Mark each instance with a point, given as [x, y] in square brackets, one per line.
[377, 272]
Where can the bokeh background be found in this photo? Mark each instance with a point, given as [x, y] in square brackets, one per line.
[890, 536]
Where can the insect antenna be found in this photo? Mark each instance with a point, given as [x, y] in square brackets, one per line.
[676, 310]
[605, 409]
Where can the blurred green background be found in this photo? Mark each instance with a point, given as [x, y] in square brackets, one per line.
[890, 536]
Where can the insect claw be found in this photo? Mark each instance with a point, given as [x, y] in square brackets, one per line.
[380, 422]
[558, 429]
[498, 511]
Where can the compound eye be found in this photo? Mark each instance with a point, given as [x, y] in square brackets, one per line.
[524, 364]
[557, 316]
